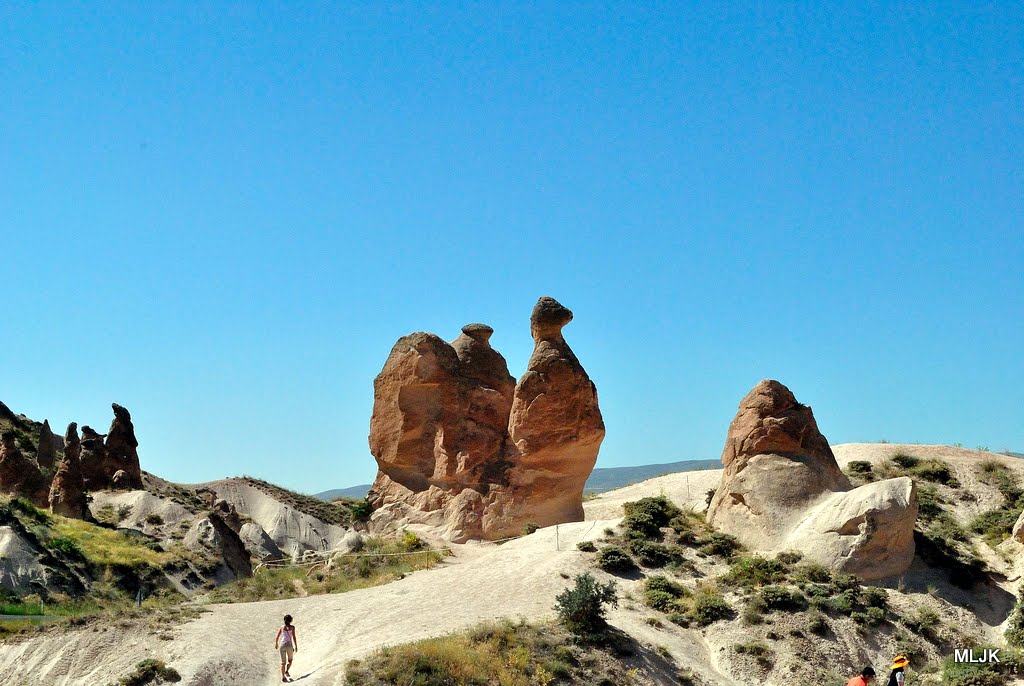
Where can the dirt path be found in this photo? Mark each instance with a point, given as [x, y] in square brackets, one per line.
[233, 644]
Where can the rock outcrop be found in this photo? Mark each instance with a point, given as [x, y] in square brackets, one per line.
[93, 461]
[46, 453]
[462, 447]
[122, 449]
[102, 460]
[67, 492]
[20, 475]
[782, 489]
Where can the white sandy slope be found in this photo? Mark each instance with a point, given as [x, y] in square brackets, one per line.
[232, 645]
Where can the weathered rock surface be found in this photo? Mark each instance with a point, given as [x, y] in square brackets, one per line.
[212, 533]
[1018, 529]
[461, 447]
[782, 489]
[20, 475]
[122, 450]
[47, 450]
[67, 491]
[20, 569]
[258, 543]
[103, 459]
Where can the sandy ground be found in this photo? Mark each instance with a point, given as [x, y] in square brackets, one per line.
[232, 645]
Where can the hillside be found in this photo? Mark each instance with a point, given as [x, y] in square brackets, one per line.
[925, 612]
[601, 479]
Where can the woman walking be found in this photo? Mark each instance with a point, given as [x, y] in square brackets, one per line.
[288, 644]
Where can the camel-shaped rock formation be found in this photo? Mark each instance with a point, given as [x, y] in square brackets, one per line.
[461, 446]
[782, 489]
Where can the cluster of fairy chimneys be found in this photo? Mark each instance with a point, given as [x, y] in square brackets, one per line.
[90, 462]
[461, 444]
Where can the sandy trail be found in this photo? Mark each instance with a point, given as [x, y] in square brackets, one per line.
[233, 644]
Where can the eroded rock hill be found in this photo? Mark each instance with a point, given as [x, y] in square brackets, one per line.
[782, 489]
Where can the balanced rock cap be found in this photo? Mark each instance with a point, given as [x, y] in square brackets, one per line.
[478, 332]
[548, 318]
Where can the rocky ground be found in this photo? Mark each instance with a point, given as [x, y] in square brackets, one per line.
[232, 644]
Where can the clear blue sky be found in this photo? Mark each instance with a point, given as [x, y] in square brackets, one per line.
[223, 215]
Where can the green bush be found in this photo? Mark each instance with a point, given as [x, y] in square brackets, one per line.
[154, 519]
[925, 622]
[718, 544]
[645, 517]
[530, 527]
[905, 461]
[586, 547]
[659, 600]
[936, 471]
[615, 561]
[789, 557]
[817, 624]
[148, 671]
[929, 502]
[860, 467]
[654, 555]
[360, 511]
[582, 607]
[749, 571]
[709, 606]
[781, 598]
[812, 572]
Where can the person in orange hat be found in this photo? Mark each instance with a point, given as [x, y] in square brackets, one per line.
[866, 676]
[899, 666]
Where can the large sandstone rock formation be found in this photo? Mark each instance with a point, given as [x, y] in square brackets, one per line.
[782, 489]
[122, 449]
[459, 445]
[20, 475]
[47, 451]
[67, 492]
[102, 460]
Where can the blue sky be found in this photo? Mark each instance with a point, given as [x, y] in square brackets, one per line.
[222, 216]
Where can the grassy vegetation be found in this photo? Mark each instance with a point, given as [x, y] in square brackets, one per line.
[150, 671]
[701, 606]
[996, 525]
[374, 565]
[103, 546]
[982, 674]
[929, 469]
[496, 654]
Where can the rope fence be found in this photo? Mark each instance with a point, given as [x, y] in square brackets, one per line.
[322, 555]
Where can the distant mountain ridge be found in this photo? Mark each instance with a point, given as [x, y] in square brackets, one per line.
[601, 479]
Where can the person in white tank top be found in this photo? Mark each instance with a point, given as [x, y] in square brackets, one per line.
[288, 644]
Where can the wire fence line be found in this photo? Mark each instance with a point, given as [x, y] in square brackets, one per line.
[322, 555]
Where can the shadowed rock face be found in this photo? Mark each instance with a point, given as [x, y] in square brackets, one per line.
[461, 446]
[122, 449]
[47, 450]
[102, 460]
[18, 474]
[782, 489]
[67, 492]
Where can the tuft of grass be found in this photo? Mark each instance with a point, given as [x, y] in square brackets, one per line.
[150, 671]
